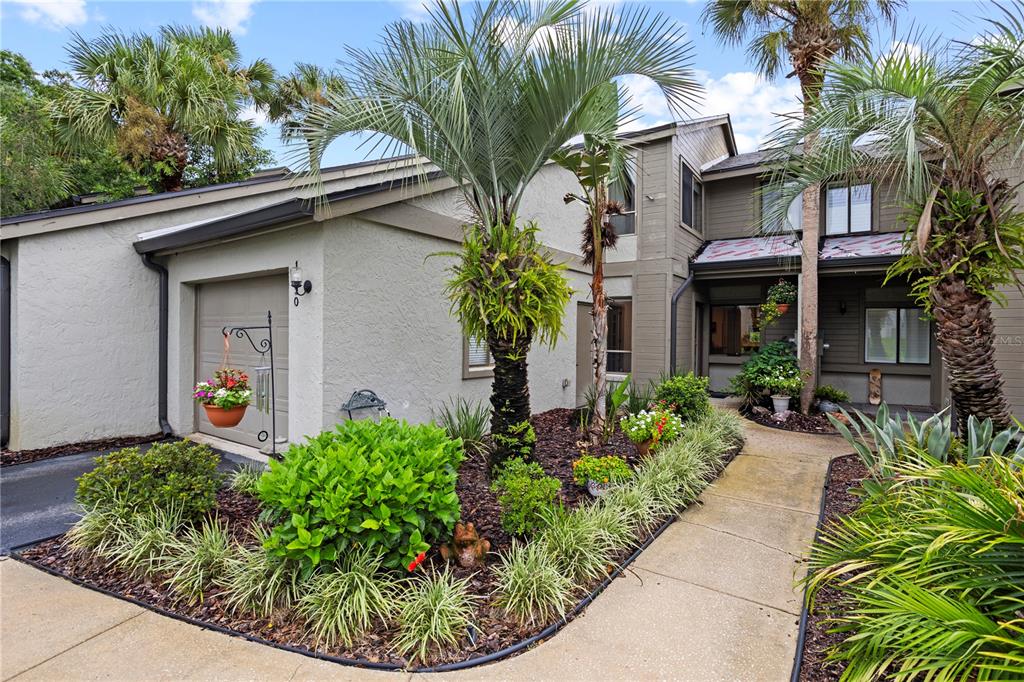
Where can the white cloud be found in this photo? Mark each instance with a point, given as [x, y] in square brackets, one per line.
[257, 116]
[752, 103]
[230, 14]
[53, 14]
[414, 10]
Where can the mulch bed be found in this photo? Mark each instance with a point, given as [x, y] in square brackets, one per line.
[557, 437]
[846, 472]
[12, 457]
[559, 443]
[794, 421]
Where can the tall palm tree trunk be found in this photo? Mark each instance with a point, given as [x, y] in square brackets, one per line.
[510, 390]
[965, 332]
[599, 313]
[171, 149]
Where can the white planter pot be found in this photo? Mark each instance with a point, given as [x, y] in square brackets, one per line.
[780, 403]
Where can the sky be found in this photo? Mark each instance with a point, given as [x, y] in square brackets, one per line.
[285, 32]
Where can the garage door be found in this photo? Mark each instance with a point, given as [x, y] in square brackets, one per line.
[236, 303]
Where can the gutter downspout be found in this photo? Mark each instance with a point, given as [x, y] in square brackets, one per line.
[161, 402]
[673, 332]
[5, 352]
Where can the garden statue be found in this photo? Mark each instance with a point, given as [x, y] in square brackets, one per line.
[467, 548]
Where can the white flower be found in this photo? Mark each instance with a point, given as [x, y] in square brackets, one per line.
[221, 392]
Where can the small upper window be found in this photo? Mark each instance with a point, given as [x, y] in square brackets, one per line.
[691, 198]
[794, 214]
[624, 191]
[848, 209]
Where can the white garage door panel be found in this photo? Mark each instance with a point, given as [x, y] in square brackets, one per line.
[237, 303]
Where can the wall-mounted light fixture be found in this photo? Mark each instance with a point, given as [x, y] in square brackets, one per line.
[301, 286]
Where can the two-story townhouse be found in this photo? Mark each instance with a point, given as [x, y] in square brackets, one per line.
[109, 313]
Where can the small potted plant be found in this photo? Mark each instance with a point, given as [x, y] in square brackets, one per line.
[600, 474]
[224, 397]
[649, 428]
[783, 387]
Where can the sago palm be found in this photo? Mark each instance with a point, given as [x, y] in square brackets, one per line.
[488, 95]
[809, 33]
[599, 160]
[946, 128]
[161, 99]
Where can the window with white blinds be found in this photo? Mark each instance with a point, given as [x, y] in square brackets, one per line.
[477, 353]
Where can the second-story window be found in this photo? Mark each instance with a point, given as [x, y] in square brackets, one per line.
[847, 209]
[624, 192]
[794, 214]
[691, 198]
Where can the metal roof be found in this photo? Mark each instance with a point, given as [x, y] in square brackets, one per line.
[875, 249]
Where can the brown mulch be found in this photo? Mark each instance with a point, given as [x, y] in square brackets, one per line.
[493, 629]
[559, 443]
[794, 421]
[12, 457]
[846, 472]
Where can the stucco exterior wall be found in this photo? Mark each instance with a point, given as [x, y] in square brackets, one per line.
[83, 338]
[388, 326]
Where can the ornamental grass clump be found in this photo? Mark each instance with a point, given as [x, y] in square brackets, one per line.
[466, 421]
[530, 586]
[256, 581]
[577, 544]
[142, 542]
[246, 478]
[433, 615]
[931, 573]
[345, 600]
[387, 486]
[99, 527]
[198, 557]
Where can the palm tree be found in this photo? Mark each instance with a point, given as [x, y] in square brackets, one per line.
[944, 126]
[488, 96]
[161, 100]
[600, 159]
[809, 32]
[306, 86]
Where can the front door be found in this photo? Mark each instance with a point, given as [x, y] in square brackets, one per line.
[236, 303]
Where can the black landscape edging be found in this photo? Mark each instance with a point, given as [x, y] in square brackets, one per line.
[798, 658]
[550, 630]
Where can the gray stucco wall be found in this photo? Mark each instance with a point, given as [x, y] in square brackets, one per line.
[388, 327]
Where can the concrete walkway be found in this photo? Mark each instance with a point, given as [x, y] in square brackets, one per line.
[711, 599]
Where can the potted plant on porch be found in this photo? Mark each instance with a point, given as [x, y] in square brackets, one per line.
[783, 386]
[781, 295]
[648, 428]
[224, 397]
[600, 474]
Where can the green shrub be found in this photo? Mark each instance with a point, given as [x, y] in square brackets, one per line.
[519, 440]
[246, 478]
[930, 574]
[578, 545]
[466, 421]
[196, 558]
[686, 395]
[344, 601]
[529, 585]
[181, 474]
[256, 581]
[387, 486]
[433, 614]
[525, 492]
[831, 393]
[764, 370]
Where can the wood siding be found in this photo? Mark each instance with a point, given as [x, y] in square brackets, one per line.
[1010, 347]
[730, 207]
[652, 198]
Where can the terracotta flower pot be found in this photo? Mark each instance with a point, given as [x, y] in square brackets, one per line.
[644, 448]
[783, 308]
[224, 419]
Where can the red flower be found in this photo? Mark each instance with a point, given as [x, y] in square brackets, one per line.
[417, 561]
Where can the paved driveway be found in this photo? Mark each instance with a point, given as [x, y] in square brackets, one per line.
[37, 500]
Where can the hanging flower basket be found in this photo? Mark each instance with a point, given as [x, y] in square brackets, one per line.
[224, 397]
[225, 418]
[783, 308]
